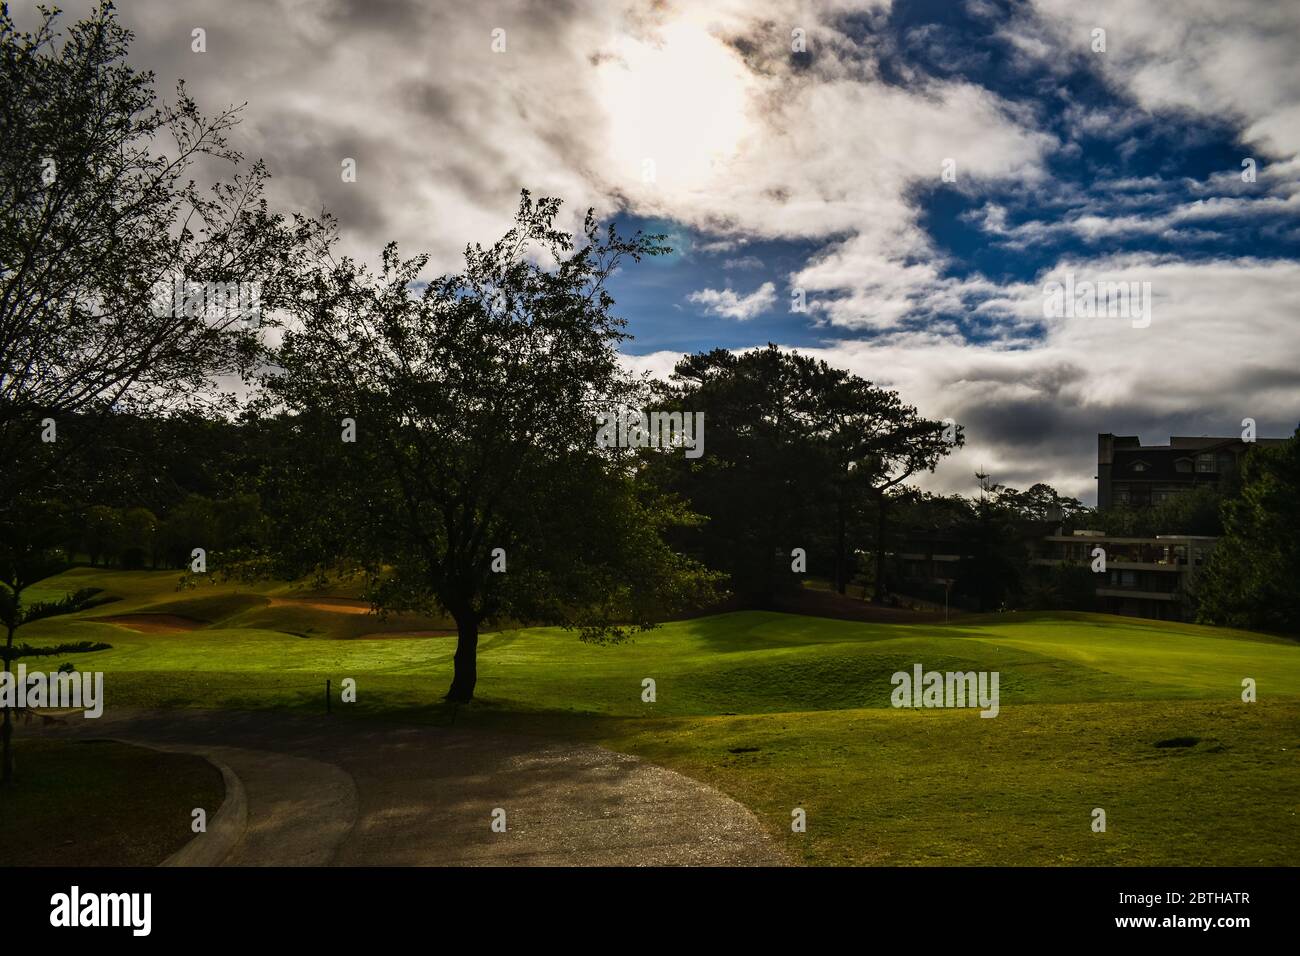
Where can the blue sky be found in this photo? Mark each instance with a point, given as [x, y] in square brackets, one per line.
[1144, 164]
[801, 145]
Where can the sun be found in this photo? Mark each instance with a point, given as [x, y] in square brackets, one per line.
[677, 108]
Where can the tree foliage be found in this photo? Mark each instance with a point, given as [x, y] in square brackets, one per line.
[800, 454]
[102, 199]
[474, 399]
[1252, 579]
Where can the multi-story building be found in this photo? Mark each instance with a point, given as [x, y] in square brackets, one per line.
[1131, 473]
[1144, 577]
[1152, 577]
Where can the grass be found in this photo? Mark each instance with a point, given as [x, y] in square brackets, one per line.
[783, 712]
[92, 803]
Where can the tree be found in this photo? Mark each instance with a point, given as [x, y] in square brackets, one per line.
[765, 477]
[995, 555]
[475, 484]
[30, 537]
[191, 524]
[800, 453]
[1196, 511]
[1062, 587]
[139, 537]
[1252, 578]
[99, 210]
[887, 442]
[101, 533]
[992, 532]
[1041, 503]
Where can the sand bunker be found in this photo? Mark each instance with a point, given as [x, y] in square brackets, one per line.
[153, 623]
[337, 605]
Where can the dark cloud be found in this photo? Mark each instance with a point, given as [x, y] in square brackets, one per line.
[384, 16]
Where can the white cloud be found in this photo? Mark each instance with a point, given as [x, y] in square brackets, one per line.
[747, 146]
[730, 305]
[1100, 220]
[692, 112]
[1228, 61]
[1221, 346]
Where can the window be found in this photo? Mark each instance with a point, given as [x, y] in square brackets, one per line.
[1205, 463]
[1183, 465]
[1121, 495]
[1139, 466]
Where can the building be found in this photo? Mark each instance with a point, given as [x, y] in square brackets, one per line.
[1144, 577]
[1130, 473]
[1152, 577]
[927, 564]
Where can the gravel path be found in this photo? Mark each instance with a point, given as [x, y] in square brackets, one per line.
[351, 793]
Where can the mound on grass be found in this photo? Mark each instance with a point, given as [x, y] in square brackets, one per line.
[334, 619]
[784, 711]
[210, 608]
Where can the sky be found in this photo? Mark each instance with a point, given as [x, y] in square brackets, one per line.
[892, 187]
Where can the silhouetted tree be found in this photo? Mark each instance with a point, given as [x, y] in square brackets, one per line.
[766, 475]
[888, 442]
[1252, 578]
[475, 484]
[799, 455]
[100, 206]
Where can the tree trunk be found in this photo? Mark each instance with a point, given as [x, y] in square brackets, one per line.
[841, 559]
[878, 589]
[7, 730]
[7, 776]
[465, 663]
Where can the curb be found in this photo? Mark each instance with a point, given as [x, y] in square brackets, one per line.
[227, 825]
[225, 829]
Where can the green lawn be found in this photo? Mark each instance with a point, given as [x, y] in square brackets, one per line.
[102, 803]
[783, 712]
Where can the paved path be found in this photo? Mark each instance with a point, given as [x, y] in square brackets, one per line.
[353, 793]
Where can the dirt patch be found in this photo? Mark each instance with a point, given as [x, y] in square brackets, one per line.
[337, 605]
[152, 623]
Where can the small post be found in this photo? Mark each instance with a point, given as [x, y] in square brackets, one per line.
[327, 696]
